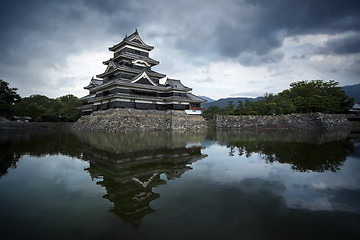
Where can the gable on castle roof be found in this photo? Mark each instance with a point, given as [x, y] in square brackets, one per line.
[111, 66]
[94, 82]
[135, 37]
[143, 78]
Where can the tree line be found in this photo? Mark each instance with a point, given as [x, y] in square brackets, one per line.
[38, 107]
[301, 97]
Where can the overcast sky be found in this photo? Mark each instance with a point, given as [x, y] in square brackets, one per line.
[225, 48]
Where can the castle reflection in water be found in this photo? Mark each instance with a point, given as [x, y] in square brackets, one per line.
[130, 165]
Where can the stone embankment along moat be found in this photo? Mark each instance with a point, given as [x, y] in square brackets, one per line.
[315, 121]
[127, 120]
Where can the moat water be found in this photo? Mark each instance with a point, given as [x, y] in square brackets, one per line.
[162, 185]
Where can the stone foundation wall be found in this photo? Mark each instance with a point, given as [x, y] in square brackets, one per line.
[316, 121]
[182, 121]
[127, 120]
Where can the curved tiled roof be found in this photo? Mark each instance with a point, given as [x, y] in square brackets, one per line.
[134, 57]
[128, 40]
[128, 69]
[174, 83]
[93, 83]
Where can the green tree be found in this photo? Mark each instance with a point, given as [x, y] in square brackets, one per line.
[239, 108]
[230, 108]
[250, 108]
[284, 105]
[42, 108]
[38, 107]
[68, 107]
[318, 96]
[8, 97]
[211, 112]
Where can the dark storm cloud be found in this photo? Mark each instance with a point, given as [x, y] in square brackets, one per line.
[308, 16]
[48, 28]
[41, 34]
[261, 25]
[343, 46]
[120, 15]
[227, 28]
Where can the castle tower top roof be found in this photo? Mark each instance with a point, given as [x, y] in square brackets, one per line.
[134, 40]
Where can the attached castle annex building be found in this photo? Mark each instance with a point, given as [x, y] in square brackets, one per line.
[129, 82]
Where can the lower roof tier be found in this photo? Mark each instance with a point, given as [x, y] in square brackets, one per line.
[170, 85]
[137, 104]
[142, 96]
[114, 68]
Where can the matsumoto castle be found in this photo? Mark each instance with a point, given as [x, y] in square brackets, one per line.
[129, 82]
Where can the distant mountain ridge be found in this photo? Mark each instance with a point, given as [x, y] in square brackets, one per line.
[353, 91]
[207, 99]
